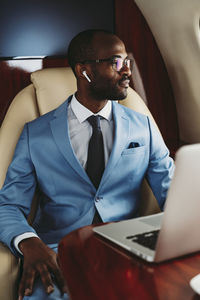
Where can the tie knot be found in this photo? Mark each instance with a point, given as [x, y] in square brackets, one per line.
[94, 122]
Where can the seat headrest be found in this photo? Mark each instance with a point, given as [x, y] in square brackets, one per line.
[53, 86]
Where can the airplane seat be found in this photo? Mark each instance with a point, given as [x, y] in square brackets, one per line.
[50, 87]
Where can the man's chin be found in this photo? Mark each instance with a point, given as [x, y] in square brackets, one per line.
[113, 94]
[119, 95]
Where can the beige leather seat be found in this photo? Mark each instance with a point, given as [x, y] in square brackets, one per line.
[49, 88]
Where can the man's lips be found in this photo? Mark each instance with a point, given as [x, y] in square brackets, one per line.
[124, 83]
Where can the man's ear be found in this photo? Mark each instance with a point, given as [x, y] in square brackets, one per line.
[79, 69]
[82, 71]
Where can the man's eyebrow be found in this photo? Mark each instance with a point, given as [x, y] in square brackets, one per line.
[118, 56]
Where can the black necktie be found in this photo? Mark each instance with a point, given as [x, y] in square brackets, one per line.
[95, 160]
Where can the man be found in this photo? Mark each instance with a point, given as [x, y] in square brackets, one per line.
[54, 154]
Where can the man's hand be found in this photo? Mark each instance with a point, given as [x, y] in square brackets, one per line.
[39, 260]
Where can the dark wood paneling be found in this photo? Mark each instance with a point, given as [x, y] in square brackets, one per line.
[52, 62]
[15, 75]
[132, 28]
[94, 268]
[12, 80]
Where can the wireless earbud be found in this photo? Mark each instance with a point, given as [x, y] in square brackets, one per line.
[86, 76]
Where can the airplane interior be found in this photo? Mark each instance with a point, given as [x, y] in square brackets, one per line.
[162, 37]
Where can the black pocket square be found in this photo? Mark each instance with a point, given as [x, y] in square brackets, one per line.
[133, 145]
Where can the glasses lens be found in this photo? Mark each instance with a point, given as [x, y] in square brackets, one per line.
[119, 63]
[127, 63]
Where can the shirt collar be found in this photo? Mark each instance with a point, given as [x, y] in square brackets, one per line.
[82, 113]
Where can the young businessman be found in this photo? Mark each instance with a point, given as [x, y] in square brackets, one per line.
[53, 154]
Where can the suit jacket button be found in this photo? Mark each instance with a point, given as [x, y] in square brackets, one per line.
[97, 199]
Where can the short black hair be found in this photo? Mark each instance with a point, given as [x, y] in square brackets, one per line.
[80, 48]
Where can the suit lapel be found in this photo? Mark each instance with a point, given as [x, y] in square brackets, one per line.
[121, 132]
[59, 128]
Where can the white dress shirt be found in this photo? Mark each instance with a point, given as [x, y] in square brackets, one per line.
[80, 132]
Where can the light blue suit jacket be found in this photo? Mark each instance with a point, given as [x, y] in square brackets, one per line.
[44, 158]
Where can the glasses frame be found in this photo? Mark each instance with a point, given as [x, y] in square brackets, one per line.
[111, 60]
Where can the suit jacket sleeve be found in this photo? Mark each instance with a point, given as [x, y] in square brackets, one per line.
[17, 193]
[161, 166]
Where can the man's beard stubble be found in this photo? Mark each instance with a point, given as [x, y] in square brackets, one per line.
[108, 90]
[111, 94]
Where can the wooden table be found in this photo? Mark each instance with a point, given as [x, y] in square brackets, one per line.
[96, 269]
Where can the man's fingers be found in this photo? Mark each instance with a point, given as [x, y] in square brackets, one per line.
[46, 278]
[26, 283]
[59, 280]
[28, 278]
[41, 259]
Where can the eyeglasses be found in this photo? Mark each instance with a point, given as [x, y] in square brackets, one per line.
[117, 63]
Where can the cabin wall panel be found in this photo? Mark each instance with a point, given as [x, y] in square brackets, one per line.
[133, 29]
[12, 80]
[175, 25]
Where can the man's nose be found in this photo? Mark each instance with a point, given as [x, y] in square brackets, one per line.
[125, 70]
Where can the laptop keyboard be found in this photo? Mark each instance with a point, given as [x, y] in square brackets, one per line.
[146, 239]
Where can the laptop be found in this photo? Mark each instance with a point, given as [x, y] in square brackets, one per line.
[174, 232]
